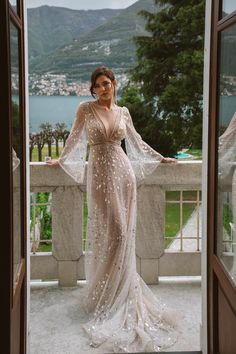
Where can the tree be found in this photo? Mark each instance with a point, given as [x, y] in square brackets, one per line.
[65, 135]
[58, 134]
[47, 133]
[151, 129]
[169, 69]
[39, 141]
[32, 143]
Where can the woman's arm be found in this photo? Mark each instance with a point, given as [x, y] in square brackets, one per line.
[73, 156]
[144, 158]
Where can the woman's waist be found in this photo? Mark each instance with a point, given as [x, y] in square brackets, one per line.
[105, 142]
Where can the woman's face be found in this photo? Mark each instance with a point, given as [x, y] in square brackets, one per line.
[104, 88]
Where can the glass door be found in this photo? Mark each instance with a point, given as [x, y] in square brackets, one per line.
[226, 236]
[222, 181]
[13, 187]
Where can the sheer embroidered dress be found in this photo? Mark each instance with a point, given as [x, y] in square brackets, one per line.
[227, 152]
[123, 312]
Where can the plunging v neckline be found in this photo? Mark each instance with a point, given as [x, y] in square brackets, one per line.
[108, 136]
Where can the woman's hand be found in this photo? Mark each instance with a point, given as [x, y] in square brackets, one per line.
[52, 163]
[168, 160]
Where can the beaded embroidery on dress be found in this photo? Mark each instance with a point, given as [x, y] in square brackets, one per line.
[123, 312]
[227, 152]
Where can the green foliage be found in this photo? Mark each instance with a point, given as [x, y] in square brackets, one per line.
[197, 153]
[173, 219]
[228, 45]
[172, 215]
[35, 157]
[170, 69]
[50, 27]
[227, 218]
[152, 130]
[45, 247]
[43, 213]
[109, 43]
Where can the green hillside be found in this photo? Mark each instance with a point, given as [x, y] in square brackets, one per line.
[51, 27]
[110, 44]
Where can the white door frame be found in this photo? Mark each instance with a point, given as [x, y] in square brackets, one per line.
[27, 180]
[206, 89]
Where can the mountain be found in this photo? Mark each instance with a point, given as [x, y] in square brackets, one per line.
[110, 44]
[51, 27]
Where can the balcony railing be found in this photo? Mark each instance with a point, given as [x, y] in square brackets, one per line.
[66, 204]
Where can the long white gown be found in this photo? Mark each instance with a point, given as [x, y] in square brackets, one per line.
[123, 312]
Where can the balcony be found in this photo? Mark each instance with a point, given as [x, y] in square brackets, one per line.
[57, 277]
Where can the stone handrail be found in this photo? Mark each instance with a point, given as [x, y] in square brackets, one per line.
[66, 262]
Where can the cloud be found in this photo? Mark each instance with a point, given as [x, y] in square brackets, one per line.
[83, 4]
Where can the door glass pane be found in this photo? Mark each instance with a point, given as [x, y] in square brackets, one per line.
[15, 5]
[226, 242]
[16, 149]
[228, 6]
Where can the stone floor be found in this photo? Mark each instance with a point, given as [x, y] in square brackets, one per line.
[56, 316]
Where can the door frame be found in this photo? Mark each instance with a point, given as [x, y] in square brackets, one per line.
[206, 94]
[13, 297]
[216, 274]
[6, 185]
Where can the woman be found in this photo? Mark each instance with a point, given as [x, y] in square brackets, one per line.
[125, 316]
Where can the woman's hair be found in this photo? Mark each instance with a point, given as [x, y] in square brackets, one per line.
[102, 70]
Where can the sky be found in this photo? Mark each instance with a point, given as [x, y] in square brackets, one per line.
[83, 4]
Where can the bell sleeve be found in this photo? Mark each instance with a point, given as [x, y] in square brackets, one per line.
[73, 156]
[143, 158]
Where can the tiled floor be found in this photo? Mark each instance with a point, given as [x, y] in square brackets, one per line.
[56, 316]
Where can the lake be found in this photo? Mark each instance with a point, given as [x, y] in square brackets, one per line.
[53, 109]
[58, 109]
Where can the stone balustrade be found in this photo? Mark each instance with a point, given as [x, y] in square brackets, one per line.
[66, 262]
